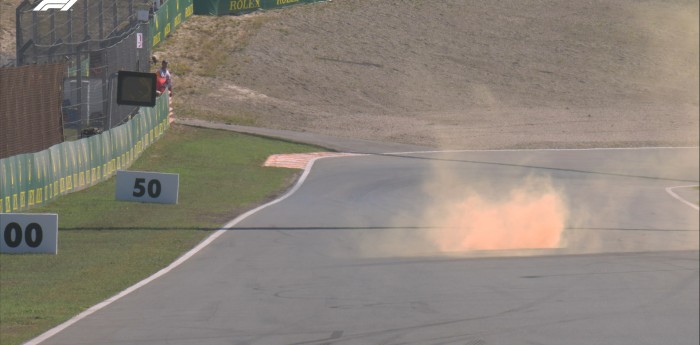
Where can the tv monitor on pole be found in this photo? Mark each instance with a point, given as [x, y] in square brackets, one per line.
[136, 88]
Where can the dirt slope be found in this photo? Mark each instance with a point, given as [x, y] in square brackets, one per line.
[452, 73]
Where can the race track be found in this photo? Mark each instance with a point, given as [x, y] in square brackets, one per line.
[357, 255]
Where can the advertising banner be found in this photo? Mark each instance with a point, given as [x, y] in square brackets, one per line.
[237, 7]
[167, 17]
[32, 179]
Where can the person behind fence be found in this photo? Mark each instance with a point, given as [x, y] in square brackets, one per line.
[164, 80]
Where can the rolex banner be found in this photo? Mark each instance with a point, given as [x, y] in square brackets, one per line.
[236, 7]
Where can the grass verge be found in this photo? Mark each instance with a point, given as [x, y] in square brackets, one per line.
[106, 246]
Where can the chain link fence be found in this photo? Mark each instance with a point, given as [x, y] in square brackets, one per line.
[94, 39]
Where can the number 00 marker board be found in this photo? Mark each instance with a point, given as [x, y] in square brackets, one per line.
[28, 233]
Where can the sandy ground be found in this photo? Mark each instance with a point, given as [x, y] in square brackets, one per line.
[448, 74]
[457, 74]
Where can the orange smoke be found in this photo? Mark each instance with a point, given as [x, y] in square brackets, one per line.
[526, 220]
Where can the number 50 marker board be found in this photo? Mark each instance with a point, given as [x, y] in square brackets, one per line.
[147, 187]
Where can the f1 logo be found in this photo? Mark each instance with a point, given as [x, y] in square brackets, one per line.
[46, 5]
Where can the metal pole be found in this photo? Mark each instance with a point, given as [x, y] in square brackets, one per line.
[18, 30]
[109, 88]
[115, 15]
[70, 28]
[86, 26]
[35, 37]
[79, 88]
[100, 19]
[88, 99]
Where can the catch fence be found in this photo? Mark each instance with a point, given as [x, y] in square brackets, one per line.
[95, 39]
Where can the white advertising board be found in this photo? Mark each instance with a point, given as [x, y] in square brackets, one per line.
[145, 186]
[28, 233]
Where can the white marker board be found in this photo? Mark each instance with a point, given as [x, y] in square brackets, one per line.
[28, 233]
[145, 186]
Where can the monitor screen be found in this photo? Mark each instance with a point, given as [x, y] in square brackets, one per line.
[136, 88]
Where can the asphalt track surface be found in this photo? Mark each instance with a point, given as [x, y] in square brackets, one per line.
[313, 268]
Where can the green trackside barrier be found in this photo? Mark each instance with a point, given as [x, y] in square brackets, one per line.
[236, 7]
[34, 179]
[169, 16]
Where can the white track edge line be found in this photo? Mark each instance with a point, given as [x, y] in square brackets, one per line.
[670, 191]
[521, 150]
[53, 331]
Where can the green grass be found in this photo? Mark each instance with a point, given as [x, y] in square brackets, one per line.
[233, 117]
[106, 246]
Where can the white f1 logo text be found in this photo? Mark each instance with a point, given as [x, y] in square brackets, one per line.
[63, 5]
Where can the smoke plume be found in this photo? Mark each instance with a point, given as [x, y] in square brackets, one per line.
[531, 217]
